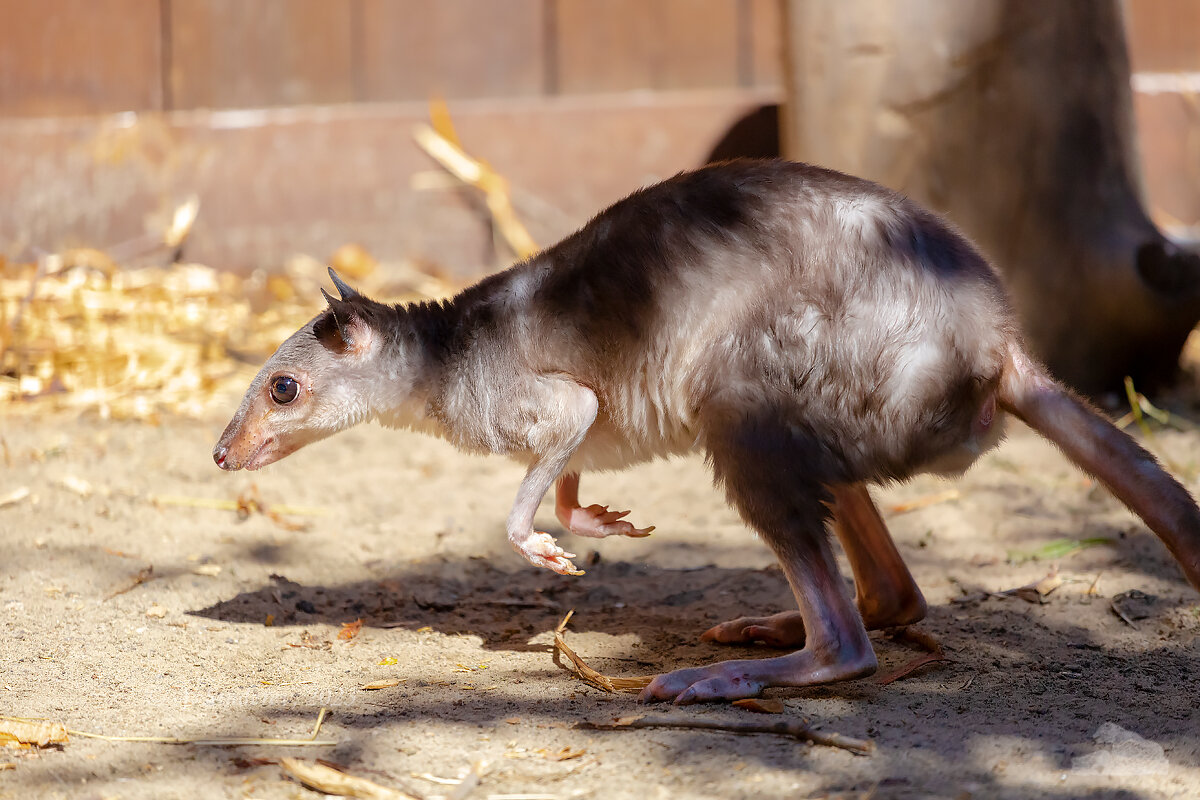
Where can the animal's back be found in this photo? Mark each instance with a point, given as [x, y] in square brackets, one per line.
[754, 285]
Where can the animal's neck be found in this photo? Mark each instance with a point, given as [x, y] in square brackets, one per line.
[418, 342]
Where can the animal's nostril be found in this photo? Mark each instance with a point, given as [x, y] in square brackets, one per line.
[219, 453]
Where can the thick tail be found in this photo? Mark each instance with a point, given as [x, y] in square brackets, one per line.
[1108, 454]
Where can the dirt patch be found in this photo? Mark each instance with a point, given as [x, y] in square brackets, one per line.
[235, 630]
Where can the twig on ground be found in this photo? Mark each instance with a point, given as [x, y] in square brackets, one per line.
[311, 741]
[794, 728]
[469, 782]
[331, 781]
[586, 673]
[143, 575]
[924, 641]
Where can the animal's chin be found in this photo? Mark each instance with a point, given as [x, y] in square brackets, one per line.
[263, 455]
[269, 452]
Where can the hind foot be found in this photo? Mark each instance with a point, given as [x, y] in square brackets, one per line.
[733, 680]
[785, 629]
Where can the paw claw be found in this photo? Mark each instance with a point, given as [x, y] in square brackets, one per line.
[596, 521]
[541, 550]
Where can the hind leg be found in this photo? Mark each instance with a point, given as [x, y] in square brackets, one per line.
[885, 592]
[772, 474]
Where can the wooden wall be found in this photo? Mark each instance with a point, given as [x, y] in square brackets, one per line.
[69, 57]
[1164, 48]
[577, 102]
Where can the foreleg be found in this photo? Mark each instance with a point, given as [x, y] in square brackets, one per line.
[595, 521]
[565, 411]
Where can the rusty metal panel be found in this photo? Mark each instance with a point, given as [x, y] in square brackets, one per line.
[615, 45]
[62, 57]
[238, 54]
[410, 49]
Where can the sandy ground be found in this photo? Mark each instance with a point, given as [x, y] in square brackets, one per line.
[235, 633]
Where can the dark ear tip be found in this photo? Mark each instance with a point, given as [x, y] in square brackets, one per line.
[325, 294]
[344, 289]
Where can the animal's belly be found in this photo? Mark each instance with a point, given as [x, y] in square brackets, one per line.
[607, 447]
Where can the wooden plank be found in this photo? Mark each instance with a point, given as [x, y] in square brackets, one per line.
[274, 182]
[411, 49]
[1168, 126]
[766, 43]
[60, 57]
[616, 45]
[238, 54]
[1164, 35]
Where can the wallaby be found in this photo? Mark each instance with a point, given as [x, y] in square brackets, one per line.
[809, 332]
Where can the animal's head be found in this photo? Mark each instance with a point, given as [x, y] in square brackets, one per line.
[324, 378]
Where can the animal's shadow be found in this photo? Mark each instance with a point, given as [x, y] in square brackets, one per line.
[1010, 667]
[505, 609]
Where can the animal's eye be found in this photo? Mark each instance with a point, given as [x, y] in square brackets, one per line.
[284, 389]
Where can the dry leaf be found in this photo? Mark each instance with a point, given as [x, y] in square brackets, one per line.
[1037, 591]
[384, 684]
[7, 766]
[38, 734]
[77, 485]
[761, 705]
[565, 754]
[350, 630]
[332, 781]
[14, 497]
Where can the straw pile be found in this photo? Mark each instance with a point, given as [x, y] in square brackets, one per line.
[80, 332]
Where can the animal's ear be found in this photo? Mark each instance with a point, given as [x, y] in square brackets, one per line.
[344, 289]
[341, 329]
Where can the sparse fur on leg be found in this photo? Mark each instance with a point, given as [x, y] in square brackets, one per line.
[771, 472]
[569, 410]
[885, 592]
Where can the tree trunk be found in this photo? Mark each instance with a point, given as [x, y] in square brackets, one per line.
[1013, 119]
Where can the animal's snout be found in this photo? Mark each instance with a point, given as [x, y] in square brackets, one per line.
[219, 454]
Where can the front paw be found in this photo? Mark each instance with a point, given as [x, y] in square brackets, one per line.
[541, 550]
[596, 521]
